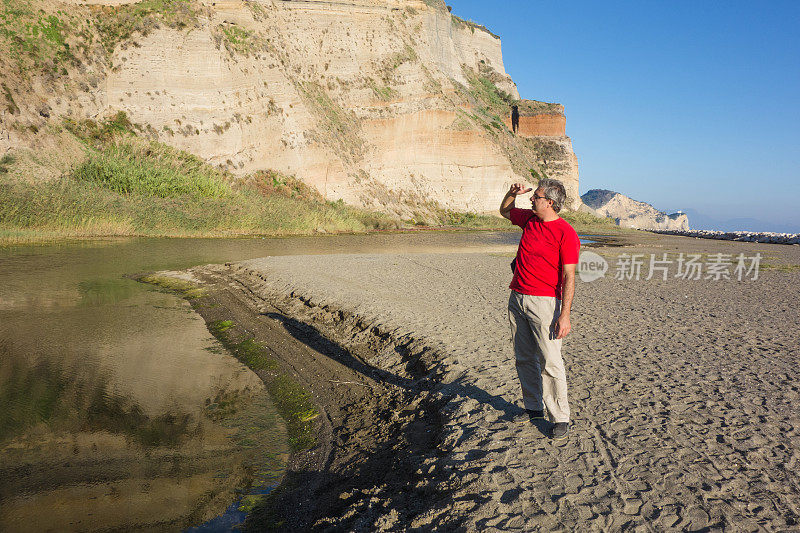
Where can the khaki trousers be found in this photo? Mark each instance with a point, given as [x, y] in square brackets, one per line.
[538, 354]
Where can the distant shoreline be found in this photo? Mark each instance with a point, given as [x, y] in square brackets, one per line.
[743, 236]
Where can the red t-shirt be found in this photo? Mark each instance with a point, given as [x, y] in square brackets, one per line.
[543, 249]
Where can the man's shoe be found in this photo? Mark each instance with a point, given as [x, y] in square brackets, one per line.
[535, 413]
[560, 430]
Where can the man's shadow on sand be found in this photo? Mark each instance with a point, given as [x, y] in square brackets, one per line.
[424, 377]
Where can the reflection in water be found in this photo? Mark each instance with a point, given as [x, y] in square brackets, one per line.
[96, 292]
[119, 410]
[75, 455]
[70, 400]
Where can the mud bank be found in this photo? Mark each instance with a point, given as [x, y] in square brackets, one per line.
[374, 452]
[684, 394]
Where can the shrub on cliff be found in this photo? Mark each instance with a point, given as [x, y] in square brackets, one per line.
[152, 169]
[100, 133]
[271, 182]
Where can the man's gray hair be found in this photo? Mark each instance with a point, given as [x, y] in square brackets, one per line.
[554, 190]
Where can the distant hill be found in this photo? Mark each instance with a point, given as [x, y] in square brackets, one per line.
[631, 213]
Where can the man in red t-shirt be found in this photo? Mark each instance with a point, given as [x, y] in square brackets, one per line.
[541, 299]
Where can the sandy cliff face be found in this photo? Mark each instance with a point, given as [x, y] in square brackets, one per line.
[548, 125]
[381, 103]
[630, 213]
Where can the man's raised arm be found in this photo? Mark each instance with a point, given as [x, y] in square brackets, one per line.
[508, 200]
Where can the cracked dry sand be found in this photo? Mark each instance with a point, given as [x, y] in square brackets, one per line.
[684, 393]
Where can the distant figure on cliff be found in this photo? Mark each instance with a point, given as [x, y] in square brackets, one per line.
[514, 118]
[541, 299]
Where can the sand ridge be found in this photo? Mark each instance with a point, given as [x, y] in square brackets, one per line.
[683, 393]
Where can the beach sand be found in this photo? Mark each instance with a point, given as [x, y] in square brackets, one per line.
[684, 393]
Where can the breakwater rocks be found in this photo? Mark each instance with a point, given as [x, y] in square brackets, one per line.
[746, 236]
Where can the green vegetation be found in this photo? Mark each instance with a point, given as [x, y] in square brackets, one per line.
[462, 122]
[584, 223]
[472, 220]
[259, 13]
[11, 105]
[34, 37]
[538, 176]
[547, 149]
[128, 185]
[38, 37]
[296, 407]
[250, 502]
[407, 55]
[236, 36]
[99, 134]
[294, 403]
[6, 161]
[250, 353]
[119, 23]
[272, 183]
[392, 62]
[492, 106]
[58, 209]
[383, 93]
[535, 107]
[431, 85]
[153, 169]
[461, 23]
[491, 101]
[221, 326]
[184, 288]
[342, 129]
[588, 224]
[241, 41]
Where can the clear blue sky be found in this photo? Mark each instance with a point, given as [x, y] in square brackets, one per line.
[684, 105]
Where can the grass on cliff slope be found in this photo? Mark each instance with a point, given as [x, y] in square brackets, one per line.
[73, 208]
[119, 23]
[131, 167]
[128, 185]
[490, 100]
[35, 39]
[472, 26]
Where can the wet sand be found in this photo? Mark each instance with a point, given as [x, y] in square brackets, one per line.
[683, 393]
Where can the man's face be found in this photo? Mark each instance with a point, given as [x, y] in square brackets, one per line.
[539, 203]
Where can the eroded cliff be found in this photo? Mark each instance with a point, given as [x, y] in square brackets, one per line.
[391, 104]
